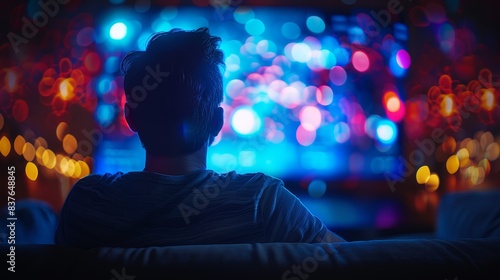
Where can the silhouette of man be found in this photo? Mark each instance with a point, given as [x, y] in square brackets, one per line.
[173, 91]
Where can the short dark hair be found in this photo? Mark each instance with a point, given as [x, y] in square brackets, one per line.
[173, 89]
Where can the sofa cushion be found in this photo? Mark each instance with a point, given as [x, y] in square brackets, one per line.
[40, 261]
[476, 258]
[470, 214]
[381, 259]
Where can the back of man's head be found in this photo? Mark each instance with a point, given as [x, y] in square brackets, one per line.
[173, 90]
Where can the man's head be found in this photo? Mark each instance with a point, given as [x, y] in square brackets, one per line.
[173, 91]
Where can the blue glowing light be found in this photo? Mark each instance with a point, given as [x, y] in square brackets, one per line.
[232, 63]
[316, 188]
[118, 31]
[169, 13]
[111, 65]
[231, 46]
[357, 35]
[105, 114]
[104, 85]
[327, 59]
[400, 32]
[255, 27]
[396, 69]
[161, 24]
[339, 23]
[329, 42]
[290, 30]
[243, 14]
[245, 121]
[315, 24]
[301, 52]
[282, 72]
[387, 132]
[342, 56]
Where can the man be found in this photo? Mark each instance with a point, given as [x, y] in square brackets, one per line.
[173, 91]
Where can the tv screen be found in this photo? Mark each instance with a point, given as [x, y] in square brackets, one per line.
[307, 92]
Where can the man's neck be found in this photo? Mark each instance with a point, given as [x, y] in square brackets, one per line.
[180, 165]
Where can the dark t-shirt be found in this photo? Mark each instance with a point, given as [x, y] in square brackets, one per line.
[140, 209]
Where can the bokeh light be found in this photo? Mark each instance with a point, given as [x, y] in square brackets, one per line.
[310, 118]
[305, 137]
[341, 132]
[69, 143]
[338, 75]
[423, 174]
[255, 27]
[31, 171]
[452, 164]
[5, 146]
[243, 14]
[316, 188]
[315, 24]
[386, 132]
[360, 61]
[432, 183]
[118, 31]
[290, 30]
[28, 151]
[403, 59]
[301, 52]
[245, 121]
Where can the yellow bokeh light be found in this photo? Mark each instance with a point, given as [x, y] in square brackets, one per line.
[78, 170]
[84, 169]
[433, 183]
[31, 171]
[18, 144]
[63, 165]
[463, 157]
[59, 159]
[66, 89]
[5, 146]
[473, 148]
[492, 151]
[452, 164]
[447, 106]
[69, 143]
[28, 151]
[488, 99]
[41, 142]
[61, 130]
[477, 175]
[71, 168]
[423, 174]
[39, 154]
[49, 159]
[485, 164]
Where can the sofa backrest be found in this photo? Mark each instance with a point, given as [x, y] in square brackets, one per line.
[471, 214]
[381, 259]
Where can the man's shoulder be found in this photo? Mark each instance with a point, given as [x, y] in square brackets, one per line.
[96, 180]
[258, 180]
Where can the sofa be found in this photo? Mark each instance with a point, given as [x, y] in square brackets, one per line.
[466, 245]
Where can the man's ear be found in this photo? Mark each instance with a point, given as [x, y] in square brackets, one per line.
[217, 121]
[130, 119]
